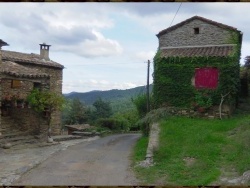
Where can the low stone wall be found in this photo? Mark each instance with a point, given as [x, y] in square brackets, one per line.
[212, 113]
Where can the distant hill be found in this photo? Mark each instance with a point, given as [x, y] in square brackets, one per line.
[113, 95]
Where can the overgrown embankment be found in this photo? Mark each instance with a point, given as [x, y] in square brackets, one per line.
[197, 151]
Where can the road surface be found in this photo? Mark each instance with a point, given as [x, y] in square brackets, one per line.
[101, 162]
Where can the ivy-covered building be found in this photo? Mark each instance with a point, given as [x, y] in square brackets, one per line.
[197, 65]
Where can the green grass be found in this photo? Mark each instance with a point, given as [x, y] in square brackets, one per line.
[212, 147]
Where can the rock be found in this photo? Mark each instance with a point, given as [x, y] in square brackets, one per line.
[7, 146]
[50, 140]
[245, 177]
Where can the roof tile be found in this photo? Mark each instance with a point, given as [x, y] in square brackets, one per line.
[28, 58]
[216, 51]
[17, 70]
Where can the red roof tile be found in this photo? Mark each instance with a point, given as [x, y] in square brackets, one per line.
[17, 70]
[29, 58]
[216, 51]
[194, 18]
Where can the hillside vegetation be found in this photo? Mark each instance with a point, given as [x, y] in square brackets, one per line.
[197, 151]
[120, 100]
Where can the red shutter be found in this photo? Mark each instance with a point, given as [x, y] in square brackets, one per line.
[206, 78]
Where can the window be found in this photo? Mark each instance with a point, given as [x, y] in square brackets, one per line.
[36, 85]
[196, 30]
[206, 78]
[16, 84]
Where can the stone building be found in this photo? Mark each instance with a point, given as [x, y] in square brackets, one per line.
[196, 56]
[20, 74]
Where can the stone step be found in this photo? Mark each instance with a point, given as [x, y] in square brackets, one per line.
[14, 133]
[16, 139]
[20, 143]
[79, 133]
[66, 137]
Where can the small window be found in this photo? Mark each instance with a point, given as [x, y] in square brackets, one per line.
[36, 85]
[196, 30]
[16, 84]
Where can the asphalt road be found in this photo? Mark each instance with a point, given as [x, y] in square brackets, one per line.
[101, 162]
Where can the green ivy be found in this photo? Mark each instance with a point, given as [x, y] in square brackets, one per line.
[172, 77]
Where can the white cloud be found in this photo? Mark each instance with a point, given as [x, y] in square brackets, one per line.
[92, 84]
[244, 51]
[73, 28]
[89, 48]
[143, 56]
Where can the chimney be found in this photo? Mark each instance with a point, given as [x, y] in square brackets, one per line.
[44, 51]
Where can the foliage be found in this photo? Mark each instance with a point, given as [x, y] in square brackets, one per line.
[152, 117]
[140, 102]
[118, 96]
[193, 151]
[41, 100]
[74, 112]
[102, 109]
[114, 124]
[173, 75]
[131, 117]
[203, 100]
[247, 62]
[47, 101]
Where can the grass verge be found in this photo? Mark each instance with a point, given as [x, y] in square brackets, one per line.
[196, 151]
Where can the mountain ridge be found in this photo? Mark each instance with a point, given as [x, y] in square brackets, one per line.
[109, 95]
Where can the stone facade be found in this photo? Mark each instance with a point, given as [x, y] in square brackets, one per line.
[55, 85]
[185, 36]
[30, 70]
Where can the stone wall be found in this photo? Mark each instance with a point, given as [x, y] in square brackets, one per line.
[55, 83]
[184, 36]
[27, 119]
[30, 120]
[24, 90]
[212, 113]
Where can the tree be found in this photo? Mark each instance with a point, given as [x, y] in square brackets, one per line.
[46, 101]
[75, 112]
[247, 61]
[140, 102]
[102, 109]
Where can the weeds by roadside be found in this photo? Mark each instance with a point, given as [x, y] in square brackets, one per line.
[196, 151]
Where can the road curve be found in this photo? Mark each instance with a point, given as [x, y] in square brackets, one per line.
[101, 162]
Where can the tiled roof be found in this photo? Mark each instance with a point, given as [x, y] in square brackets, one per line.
[216, 51]
[28, 58]
[194, 18]
[17, 70]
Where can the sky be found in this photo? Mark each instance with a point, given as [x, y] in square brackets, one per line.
[106, 46]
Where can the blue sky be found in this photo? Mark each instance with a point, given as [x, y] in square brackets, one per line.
[106, 45]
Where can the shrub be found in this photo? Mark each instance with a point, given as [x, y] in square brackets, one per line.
[114, 124]
[151, 117]
[131, 117]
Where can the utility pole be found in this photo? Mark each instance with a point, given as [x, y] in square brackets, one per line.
[148, 105]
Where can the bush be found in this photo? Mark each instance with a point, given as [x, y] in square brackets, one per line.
[151, 117]
[131, 117]
[114, 124]
[140, 103]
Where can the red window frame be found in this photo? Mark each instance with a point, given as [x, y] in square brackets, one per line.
[206, 78]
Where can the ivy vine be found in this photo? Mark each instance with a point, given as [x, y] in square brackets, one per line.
[173, 75]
